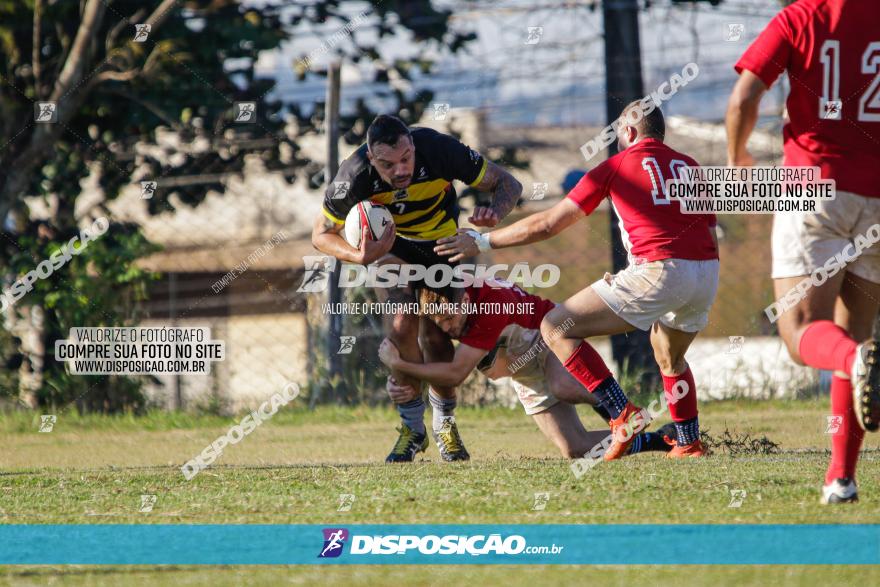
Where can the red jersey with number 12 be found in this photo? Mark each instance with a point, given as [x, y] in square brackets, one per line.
[652, 226]
[832, 54]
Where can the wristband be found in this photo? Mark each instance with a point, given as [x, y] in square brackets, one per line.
[482, 240]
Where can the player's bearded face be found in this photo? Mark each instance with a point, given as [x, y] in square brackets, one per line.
[395, 164]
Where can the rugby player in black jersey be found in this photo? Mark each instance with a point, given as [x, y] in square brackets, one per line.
[410, 171]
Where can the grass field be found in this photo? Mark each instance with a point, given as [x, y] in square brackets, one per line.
[294, 468]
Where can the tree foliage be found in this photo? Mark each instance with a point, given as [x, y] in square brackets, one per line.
[114, 95]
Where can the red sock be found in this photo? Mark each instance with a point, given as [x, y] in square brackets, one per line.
[846, 442]
[587, 366]
[825, 345]
[685, 407]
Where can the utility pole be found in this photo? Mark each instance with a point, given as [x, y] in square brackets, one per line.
[623, 81]
[172, 314]
[331, 122]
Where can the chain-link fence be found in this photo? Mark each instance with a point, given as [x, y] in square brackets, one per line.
[235, 264]
[210, 168]
[247, 293]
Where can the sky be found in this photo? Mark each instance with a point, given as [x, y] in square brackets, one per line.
[557, 77]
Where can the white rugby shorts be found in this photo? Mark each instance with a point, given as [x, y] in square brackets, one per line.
[676, 292]
[802, 242]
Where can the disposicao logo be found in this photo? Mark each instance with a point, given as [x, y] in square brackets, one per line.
[334, 540]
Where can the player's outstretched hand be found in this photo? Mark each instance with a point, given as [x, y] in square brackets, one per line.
[484, 216]
[459, 246]
[388, 353]
[371, 250]
[400, 394]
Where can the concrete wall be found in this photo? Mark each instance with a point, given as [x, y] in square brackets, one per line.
[760, 368]
[263, 353]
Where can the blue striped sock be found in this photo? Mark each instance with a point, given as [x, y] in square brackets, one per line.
[611, 397]
[687, 431]
[636, 445]
[648, 442]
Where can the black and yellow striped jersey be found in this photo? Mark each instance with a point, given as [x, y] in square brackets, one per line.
[428, 208]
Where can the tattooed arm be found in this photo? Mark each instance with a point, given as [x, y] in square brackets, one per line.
[506, 191]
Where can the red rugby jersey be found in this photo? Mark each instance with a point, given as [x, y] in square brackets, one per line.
[652, 226]
[483, 329]
[831, 51]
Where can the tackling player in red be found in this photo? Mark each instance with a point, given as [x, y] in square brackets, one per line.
[503, 343]
[667, 288]
[832, 56]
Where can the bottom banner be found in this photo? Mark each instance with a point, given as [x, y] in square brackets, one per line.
[131, 544]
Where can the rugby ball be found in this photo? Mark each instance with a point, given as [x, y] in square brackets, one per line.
[376, 216]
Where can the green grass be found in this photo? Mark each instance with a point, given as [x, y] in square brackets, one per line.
[563, 576]
[293, 469]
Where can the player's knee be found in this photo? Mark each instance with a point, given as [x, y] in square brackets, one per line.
[444, 392]
[552, 319]
[679, 366]
[670, 365]
[550, 325]
[664, 361]
[792, 344]
[572, 451]
[404, 329]
[546, 328]
[791, 327]
[434, 339]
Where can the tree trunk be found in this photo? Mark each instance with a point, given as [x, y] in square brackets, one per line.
[68, 94]
[29, 324]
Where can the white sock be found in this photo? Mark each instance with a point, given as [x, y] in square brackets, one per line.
[441, 409]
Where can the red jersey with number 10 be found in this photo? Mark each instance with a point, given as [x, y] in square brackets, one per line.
[652, 226]
[831, 50]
